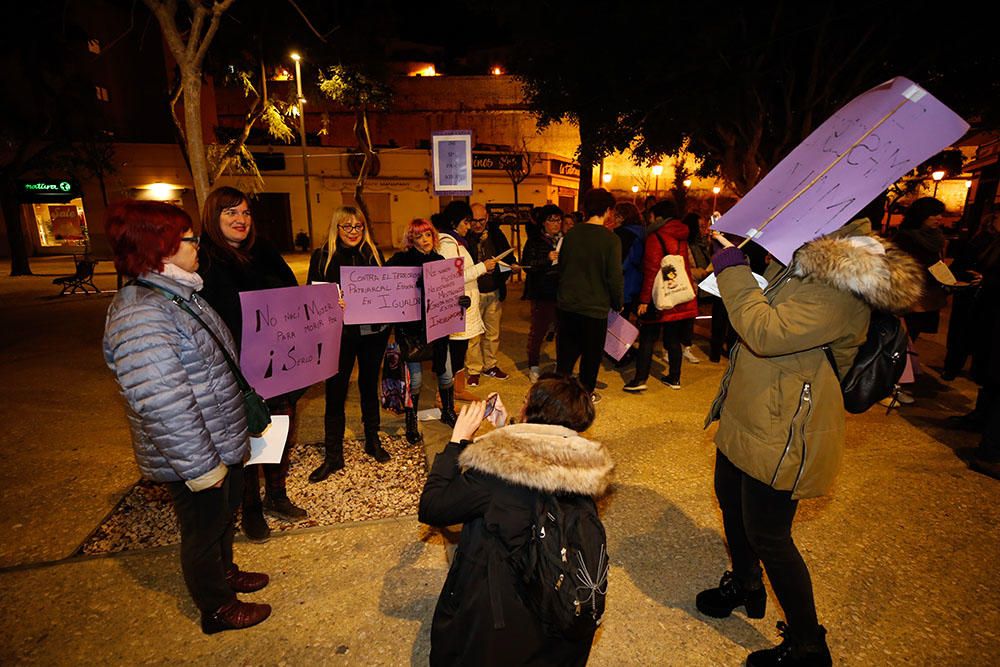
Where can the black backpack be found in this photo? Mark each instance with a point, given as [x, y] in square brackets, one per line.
[564, 566]
[879, 364]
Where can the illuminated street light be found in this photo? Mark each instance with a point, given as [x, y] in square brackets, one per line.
[657, 170]
[687, 182]
[302, 133]
[937, 176]
[968, 184]
[606, 178]
[635, 189]
[715, 196]
[496, 71]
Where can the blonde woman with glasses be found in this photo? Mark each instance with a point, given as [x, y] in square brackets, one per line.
[349, 243]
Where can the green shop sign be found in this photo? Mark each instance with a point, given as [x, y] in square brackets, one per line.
[49, 190]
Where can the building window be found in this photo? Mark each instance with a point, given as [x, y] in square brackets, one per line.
[102, 93]
[94, 45]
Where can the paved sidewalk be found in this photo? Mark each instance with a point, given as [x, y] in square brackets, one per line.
[901, 553]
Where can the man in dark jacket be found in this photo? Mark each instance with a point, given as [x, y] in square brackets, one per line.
[590, 284]
[486, 240]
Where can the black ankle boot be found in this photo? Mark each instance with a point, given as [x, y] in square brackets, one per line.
[333, 460]
[278, 504]
[373, 447]
[254, 524]
[412, 432]
[448, 415]
[795, 650]
[720, 602]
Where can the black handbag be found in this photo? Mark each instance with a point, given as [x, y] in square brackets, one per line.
[413, 347]
[258, 414]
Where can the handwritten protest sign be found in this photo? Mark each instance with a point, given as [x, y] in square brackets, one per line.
[291, 337]
[621, 334]
[848, 160]
[380, 294]
[444, 285]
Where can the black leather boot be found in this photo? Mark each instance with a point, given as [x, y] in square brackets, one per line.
[373, 446]
[795, 650]
[412, 431]
[720, 602]
[332, 462]
[253, 523]
[448, 415]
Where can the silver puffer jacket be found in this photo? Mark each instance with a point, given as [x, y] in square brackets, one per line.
[183, 403]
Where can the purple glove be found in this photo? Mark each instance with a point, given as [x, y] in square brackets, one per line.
[726, 258]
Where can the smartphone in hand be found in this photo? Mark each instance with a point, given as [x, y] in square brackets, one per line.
[491, 404]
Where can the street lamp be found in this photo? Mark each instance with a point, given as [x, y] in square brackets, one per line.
[635, 189]
[937, 176]
[606, 177]
[657, 170]
[687, 182]
[715, 196]
[302, 133]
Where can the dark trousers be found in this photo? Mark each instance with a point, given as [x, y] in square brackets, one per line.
[543, 315]
[961, 323]
[687, 332]
[758, 525]
[456, 354]
[368, 350]
[275, 474]
[672, 335]
[722, 335]
[580, 337]
[207, 521]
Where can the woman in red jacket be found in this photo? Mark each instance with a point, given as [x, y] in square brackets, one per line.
[666, 235]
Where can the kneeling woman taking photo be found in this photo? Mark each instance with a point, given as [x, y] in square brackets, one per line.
[490, 611]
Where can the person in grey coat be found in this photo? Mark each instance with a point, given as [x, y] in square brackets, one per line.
[184, 407]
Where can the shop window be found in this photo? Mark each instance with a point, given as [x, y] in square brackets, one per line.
[60, 225]
[102, 93]
[94, 45]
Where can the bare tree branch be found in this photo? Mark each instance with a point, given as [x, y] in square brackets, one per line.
[305, 18]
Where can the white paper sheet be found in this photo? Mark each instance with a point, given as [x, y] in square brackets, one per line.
[269, 447]
[711, 285]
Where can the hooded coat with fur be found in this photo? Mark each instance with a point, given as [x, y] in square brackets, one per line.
[780, 405]
[491, 486]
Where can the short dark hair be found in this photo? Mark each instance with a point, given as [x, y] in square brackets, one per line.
[692, 221]
[665, 208]
[597, 202]
[548, 210]
[918, 212]
[559, 400]
[143, 233]
[874, 210]
[455, 212]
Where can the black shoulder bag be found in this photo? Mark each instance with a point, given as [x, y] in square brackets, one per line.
[258, 415]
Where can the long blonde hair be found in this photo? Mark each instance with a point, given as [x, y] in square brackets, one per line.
[341, 215]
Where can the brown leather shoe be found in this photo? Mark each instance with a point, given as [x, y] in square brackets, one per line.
[460, 393]
[234, 616]
[246, 582]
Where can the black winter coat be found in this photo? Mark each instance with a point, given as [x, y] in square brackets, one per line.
[417, 331]
[541, 281]
[494, 497]
[482, 247]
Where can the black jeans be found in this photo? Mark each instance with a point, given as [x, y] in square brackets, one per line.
[275, 474]
[722, 333]
[207, 522]
[673, 333]
[580, 337]
[368, 350]
[758, 525]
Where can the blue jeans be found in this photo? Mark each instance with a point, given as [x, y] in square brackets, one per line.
[445, 379]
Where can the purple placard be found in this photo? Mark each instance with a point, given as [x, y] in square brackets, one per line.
[621, 334]
[291, 337]
[380, 294]
[444, 285]
[856, 154]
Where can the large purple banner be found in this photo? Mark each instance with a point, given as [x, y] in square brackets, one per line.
[291, 337]
[444, 285]
[380, 294]
[848, 160]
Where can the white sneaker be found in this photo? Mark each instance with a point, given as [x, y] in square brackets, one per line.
[689, 356]
[533, 374]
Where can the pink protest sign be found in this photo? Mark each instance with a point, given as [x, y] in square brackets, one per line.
[380, 294]
[444, 285]
[848, 160]
[621, 335]
[291, 337]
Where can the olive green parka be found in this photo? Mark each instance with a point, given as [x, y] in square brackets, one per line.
[780, 405]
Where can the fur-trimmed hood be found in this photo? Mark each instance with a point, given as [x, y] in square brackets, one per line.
[853, 260]
[545, 457]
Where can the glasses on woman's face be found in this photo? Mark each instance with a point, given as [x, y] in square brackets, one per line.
[191, 239]
[554, 218]
[357, 227]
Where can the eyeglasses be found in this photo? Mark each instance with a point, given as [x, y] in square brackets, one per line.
[554, 218]
[479, 221]
[191, 239]
[351, 228]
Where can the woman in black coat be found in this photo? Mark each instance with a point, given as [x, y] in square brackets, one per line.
[920, 235]
[492, 485]
[233, 259]
[541, 280]
[349, 244]
[421, 244]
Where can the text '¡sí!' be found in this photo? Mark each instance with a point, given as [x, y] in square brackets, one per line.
[381, 294]
[291, 337]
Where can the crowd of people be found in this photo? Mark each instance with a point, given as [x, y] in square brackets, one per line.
[172, 334]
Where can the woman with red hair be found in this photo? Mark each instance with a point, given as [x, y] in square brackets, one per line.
[421, 247]
[185, 408]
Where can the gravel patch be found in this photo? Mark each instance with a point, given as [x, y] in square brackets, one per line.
[362, 491]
